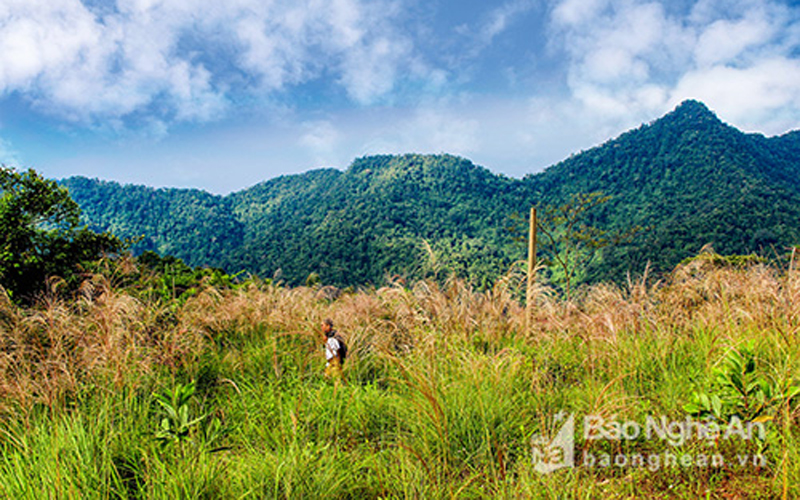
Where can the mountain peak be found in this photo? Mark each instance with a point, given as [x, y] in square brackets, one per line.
[692, 106]
[692, 113]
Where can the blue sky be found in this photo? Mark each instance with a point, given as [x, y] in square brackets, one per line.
[222, 95]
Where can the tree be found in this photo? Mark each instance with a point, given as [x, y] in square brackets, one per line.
[570, 241]
[40, 234]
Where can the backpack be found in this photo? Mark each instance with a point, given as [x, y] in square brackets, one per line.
[342, 347]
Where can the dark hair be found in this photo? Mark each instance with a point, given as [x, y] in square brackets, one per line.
[331, 332]
[328, 321]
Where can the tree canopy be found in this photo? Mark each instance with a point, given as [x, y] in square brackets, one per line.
[687, 180]
[40, 233]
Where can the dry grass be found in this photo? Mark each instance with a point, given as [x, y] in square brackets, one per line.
[107, 334]
[461, 358]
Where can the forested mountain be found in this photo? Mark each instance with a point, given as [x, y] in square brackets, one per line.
[688, 179]
[192, 224]
[691, 180]
[359, 225]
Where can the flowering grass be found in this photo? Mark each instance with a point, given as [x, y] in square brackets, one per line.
[445, 389]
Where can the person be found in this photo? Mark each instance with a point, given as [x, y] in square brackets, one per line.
[334, 351]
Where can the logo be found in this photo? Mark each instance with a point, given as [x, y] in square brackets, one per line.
[554, 448]
[552, 454]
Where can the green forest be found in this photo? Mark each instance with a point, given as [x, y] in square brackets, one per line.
[668, 189]
[193, 366]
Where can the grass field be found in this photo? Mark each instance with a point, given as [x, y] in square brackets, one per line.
[448, 392]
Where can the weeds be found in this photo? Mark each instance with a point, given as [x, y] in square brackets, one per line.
[176, 424]
[446, 386]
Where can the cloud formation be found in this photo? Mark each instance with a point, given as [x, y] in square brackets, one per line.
[8, 156]
[291, 84]
[186, 60]
[639, 58]
[153, 62]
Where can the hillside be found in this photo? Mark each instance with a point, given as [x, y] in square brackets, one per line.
[188, 223]
[688, 178]
[692, 180]
[357, 226]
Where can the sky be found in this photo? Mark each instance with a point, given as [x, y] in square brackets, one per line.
[222, 95]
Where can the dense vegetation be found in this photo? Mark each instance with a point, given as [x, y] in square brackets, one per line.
[123, 391]
[145, 377]
[692, 181]
[40, 235]
[687, 180]
[373, 221]
[190, 224]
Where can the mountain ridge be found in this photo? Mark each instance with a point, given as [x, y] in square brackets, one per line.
[687, 176]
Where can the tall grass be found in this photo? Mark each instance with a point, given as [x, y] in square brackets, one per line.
[445, 388]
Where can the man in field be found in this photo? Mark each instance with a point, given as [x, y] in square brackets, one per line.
[335, 351]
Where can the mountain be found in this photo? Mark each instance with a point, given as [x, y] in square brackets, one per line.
[188, 223]
[359, 225]
[692, 180]
[687, 178]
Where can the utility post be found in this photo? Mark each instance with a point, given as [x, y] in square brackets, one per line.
[531, 270]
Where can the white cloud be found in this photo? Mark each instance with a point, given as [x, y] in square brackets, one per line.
[433, 127]
[369, 72]
[577, 12]
[185, 59]
[614, 45]
[321, 140]
[38, 37]
[493, 23]
[500, 18]
[631, 60]
[755, 97]
[724, 41]
[446, 131]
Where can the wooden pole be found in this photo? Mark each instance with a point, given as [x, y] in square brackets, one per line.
[531, 267]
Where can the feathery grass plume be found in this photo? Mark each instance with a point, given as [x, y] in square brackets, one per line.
[446, 385]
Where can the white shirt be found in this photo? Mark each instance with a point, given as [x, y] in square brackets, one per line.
[332, 347]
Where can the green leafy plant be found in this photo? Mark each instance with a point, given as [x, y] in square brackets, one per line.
[176, 424]
[738, 389]
[41, 235]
